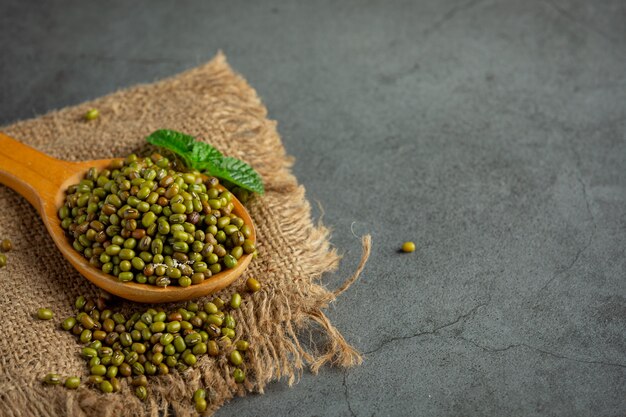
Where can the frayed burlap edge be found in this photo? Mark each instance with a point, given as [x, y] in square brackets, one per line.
[273, 319]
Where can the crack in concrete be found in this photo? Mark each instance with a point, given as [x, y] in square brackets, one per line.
[564, 270]
[587, 203]
[132, 60]
[542, 351]
[392, 78]
[566, 14]
[430, 332]
[459, 319]
[347, 394]
[111, 58]
[449, 15]
[560, 272]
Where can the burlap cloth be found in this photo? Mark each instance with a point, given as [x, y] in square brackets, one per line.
[213, 103]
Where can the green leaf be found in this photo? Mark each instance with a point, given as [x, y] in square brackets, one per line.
[204, 155]
[239, 173]
[176, 142]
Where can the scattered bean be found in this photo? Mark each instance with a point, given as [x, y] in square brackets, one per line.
[408, 247]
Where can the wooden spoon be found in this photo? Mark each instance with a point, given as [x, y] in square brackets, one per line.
[42, 180]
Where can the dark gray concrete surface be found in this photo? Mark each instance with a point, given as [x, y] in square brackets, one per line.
[490, 132]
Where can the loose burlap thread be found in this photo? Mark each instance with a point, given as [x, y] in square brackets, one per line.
[213, 103]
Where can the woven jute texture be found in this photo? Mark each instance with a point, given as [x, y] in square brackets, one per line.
[213, 103]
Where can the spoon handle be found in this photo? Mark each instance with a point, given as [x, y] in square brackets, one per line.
[33, 174]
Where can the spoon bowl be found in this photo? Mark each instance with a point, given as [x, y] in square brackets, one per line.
[42, 180]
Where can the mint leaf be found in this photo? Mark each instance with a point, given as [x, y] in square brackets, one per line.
[204, 155]
[239, 173]
[177, 142]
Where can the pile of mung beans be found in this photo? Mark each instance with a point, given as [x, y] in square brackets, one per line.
[5, 246]
[142, 220]
[152, 342]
